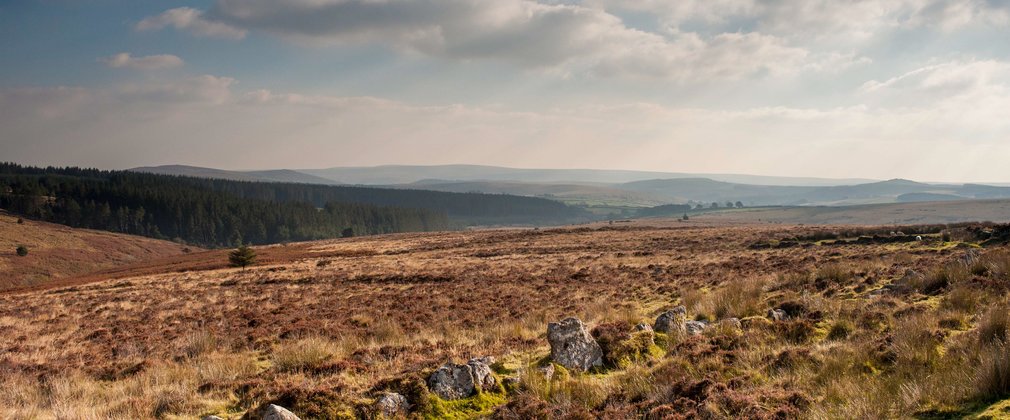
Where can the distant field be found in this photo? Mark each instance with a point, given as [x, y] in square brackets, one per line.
[56, 251]
[871, 214]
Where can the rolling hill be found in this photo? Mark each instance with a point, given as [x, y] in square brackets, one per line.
[57, 251]
[276, 175]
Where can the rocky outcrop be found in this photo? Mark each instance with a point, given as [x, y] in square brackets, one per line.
[453, 381]
[392, 404]
[777, 315]
[671, 321]
[572, 346]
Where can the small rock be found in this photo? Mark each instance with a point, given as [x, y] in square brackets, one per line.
[671, 321]
[777, 315]
[276, 412]
[572, 346]
[390, 404]
[643, 327]
[211, 418]
[547, 370]
[695, 327]
[452, 381]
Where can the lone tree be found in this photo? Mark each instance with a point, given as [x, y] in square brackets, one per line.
[243, 256]
[21, 221]
[739, 204]
[22, 250]
[685, 217]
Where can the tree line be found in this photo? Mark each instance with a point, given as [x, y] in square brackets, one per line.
[215, 212]
[188, 211]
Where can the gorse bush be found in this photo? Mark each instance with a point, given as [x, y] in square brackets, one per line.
[21, 250]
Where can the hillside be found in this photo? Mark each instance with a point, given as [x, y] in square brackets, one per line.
[278, 175]
[219, 212]
[57, 252]
[693, 319]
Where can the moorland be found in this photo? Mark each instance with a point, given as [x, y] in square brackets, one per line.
[800, 322]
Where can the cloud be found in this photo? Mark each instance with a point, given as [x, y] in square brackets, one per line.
[809, 20]
[191, 20]
[207, 121]
[565, 38]
[959, 85]
[150, 62]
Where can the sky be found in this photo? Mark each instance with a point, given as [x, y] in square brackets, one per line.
[879, 89]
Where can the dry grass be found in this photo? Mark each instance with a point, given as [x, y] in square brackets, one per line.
[191, 338]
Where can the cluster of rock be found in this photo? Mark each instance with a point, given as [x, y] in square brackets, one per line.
[675, 321]
[572, 346]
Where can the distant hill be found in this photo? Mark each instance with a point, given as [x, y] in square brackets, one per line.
[582, 194]
[406, 174]
[277, 175]
[707, 190]
[57, 251]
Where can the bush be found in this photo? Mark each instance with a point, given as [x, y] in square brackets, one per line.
[22, 250]
[21, 221]
[242, 256]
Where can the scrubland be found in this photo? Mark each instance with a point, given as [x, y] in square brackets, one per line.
[874, 330]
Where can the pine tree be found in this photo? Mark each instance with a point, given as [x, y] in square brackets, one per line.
[22, 251]
[242, 256]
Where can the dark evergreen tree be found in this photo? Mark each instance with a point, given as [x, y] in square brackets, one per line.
[243, 256]
[22, 250]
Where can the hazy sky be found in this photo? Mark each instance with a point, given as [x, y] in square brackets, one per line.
[861, 88]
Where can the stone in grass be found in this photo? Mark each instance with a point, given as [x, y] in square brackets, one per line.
[777, 315]
[453, 381]
[572, 346]
[276, 412]
[672, 321]
[695, 327]
[392, 404]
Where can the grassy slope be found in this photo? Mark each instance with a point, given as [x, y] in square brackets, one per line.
[57, 252]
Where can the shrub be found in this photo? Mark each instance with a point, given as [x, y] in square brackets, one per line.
[21, 250]
[242, 256]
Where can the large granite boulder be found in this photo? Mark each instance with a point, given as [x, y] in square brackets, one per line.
[454, 381]
[572, 346]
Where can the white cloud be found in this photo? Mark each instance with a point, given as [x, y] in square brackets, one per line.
[150, 62]
[191, 20]
[558, 37]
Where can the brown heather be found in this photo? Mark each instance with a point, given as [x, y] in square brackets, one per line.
[323, 327]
